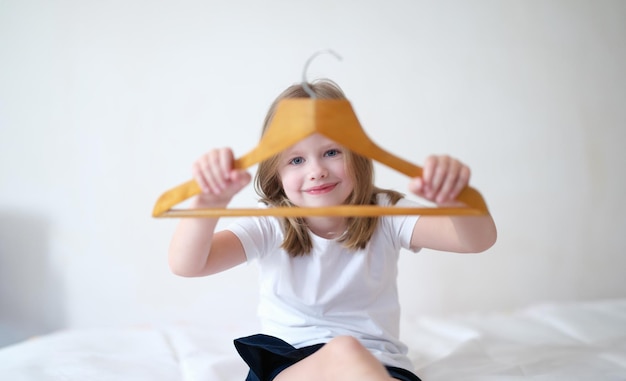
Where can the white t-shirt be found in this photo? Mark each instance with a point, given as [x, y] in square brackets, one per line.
[332, 291]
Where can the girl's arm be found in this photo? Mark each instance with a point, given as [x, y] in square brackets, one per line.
[442, 180]
[195, 249]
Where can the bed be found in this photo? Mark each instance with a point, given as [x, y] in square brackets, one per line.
[550, 341]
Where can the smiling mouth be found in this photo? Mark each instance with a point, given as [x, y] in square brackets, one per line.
[321, 189]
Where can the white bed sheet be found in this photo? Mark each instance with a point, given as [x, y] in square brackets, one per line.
[581, 341]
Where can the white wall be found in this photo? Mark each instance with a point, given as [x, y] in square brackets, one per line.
[104, 105]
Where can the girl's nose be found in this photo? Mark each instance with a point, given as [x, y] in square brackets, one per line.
[317, 172]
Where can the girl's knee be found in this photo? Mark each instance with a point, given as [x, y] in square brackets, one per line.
[348, 352]
[346, 345]
[342, 358]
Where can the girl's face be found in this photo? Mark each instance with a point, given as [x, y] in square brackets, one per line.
[313, 173]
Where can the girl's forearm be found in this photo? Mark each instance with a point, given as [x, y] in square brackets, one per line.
[191, 244]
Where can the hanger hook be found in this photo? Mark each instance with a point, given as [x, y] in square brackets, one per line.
[305, 82]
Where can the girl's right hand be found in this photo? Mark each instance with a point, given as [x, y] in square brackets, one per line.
[217, 178]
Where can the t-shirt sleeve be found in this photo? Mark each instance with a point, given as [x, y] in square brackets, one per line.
[258, 235]
[404, 225]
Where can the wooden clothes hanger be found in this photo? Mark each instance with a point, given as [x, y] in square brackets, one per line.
[294, 120]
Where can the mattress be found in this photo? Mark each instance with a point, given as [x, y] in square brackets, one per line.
[551, 341]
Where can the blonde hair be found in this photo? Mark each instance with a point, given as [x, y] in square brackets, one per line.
[268, 184]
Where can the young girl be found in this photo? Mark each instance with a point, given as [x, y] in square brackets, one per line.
[329, 303]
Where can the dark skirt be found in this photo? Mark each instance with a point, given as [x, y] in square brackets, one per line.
[267, 356]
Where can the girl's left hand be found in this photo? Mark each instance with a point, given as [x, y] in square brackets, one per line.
[443, 178]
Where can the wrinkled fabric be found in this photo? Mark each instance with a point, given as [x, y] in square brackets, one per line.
[578, 341]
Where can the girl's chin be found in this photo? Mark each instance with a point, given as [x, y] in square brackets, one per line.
[317, 204]
[321, 201]
[321, 205]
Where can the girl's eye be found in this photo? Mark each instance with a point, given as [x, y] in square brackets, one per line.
[296, 161]
[332, 152]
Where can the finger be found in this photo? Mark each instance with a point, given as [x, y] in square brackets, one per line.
[428, 172]
[240, 179]
[439, 176]
[417, 186]
[215, 172]
[207, 164]
[226, 160]
[448, 182]
[461, 183]
[199, 177]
